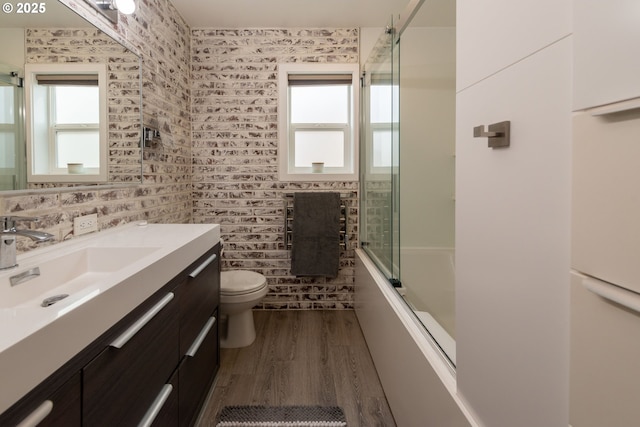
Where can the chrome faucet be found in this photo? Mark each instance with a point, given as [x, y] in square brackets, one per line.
[8, 257]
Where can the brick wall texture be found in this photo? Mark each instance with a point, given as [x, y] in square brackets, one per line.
[213, 93]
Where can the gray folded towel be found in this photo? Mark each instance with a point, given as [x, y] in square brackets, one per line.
[315, 236]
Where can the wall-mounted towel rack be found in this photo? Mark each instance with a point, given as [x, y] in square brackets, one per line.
[288, 220]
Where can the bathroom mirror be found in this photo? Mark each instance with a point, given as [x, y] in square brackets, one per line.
[40, 136]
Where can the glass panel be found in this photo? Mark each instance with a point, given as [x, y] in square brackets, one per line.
[319, 146]
[377, 157]
[77, 104]
[381, 109]
[78, 147]
[427, 148]
[12, 148]
[408, 164]
[7, 111]
[7, 149]
[396, 159]
[320, 104]
[382, 140]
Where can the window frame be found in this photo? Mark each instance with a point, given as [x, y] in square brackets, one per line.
[44, 170]
[286, 151]
[55, 128]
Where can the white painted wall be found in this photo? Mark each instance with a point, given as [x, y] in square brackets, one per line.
[512, 212]
[13, 49]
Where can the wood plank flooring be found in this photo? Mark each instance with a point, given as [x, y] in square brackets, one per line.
[302, 358]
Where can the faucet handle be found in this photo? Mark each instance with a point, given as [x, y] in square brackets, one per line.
[9, 222]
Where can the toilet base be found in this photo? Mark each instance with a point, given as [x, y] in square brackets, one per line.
[239, 331]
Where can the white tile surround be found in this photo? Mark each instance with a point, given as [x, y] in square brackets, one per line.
[213, 92]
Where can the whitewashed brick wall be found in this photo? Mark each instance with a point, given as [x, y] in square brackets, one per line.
[213, 94]
[235, 154]
[162, 38]
[92, 46]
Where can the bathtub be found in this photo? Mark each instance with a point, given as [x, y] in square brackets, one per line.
[431, 295]
[418, 379]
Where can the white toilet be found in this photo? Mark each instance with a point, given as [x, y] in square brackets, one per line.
[240, 291]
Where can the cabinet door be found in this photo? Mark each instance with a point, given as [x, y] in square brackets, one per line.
[512, 245]
[494, 34]
[606, 203]
[197, 371]
[120, 384]
[199, 297]
[605, 381]
[62, 408]
[605, 50]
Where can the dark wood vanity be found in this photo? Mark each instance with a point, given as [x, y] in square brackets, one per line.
[154, 367]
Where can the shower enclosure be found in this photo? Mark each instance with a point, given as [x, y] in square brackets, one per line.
[12, 145]
[408, 165]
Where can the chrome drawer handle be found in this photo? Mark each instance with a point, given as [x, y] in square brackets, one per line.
[614, 293]
[204, 265]
[39, 414]
[200, 338]
[141, 322]
[156, 406]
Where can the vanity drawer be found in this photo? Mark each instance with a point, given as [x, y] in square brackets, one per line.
[123, 381]
[61, 408]
[197, 370]
[199, 297]
[164, 410]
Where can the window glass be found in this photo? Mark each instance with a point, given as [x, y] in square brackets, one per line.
[320, 104]
[77, 104]
[78, 147]
[319, 146]
[318, 121]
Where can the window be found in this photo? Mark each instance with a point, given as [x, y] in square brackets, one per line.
[66, 122]
[318, 121]
[75, 125]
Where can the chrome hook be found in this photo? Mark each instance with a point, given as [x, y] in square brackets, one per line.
[499, 134]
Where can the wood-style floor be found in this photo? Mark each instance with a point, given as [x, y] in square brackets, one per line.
[302, 358]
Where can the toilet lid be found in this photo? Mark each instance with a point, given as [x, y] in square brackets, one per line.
[237, 282]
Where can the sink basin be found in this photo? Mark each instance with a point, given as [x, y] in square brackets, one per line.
[67, 274]
[106, 275]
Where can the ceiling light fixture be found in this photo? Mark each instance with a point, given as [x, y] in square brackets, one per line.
[110, 8]
[124, 6]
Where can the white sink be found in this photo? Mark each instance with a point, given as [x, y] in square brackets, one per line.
[67, 274]
[106, 274]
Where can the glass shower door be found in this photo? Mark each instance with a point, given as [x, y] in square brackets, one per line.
[380, 156]
[408, 155]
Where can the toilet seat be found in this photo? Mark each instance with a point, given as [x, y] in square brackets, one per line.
[241, 282]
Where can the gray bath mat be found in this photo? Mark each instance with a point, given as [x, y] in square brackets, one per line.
[281, 416]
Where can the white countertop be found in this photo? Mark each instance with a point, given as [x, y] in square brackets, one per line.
[35, 341]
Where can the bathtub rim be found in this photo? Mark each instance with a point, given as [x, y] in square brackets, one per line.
[446, 354]
[438, 362]
[433, 353]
